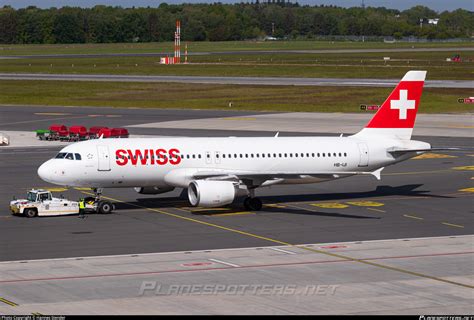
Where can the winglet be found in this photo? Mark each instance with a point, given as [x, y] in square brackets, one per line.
[377, 172]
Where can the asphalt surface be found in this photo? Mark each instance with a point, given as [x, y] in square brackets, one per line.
[417, 198]
[234, 80]
[25, 117]
[404, 276]
[235, 52]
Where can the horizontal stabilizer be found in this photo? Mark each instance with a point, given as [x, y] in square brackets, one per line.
[399, 152]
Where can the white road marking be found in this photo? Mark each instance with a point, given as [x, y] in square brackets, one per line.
[226, 263]
[230, 249]
[281, 250]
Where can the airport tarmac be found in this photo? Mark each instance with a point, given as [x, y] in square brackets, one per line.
[408, 276]
[274, 81]
[426, 197]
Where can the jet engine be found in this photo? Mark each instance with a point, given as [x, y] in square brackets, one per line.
[207, 193]
[153, 190]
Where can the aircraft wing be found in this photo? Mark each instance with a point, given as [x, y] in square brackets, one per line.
[278, 176]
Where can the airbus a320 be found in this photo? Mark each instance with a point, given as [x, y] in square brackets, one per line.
[216, 171]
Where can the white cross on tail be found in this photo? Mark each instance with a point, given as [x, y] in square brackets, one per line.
[402, 105]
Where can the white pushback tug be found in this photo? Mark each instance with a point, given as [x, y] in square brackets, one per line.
[40, 202]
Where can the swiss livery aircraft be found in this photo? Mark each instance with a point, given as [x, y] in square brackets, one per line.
[217, 170]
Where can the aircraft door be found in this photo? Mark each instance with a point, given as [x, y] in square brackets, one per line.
[363, 155]
[104, 158]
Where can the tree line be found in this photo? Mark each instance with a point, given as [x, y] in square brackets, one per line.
[221, 22]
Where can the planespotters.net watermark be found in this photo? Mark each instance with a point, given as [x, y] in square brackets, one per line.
[155, 288]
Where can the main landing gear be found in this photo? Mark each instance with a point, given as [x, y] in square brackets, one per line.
[252, 203]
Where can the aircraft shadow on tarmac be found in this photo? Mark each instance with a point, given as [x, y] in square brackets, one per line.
[380, 191]
[158, 203]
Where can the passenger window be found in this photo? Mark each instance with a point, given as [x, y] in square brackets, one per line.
[334, 154]
[329, 154]
[345, 154]
[324, 154]
[340, 155]
[296, 155]
[194, 156]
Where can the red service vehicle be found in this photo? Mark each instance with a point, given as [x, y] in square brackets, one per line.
[94, 132]
[77, 133]
[104, 132]
[63, 135]
[58, 132]
[119, 133]
[57, 127]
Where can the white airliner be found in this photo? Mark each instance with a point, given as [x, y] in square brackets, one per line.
[217, 170]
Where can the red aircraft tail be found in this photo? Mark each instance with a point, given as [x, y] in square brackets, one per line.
[396, 117]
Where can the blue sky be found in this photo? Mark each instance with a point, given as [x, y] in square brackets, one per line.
[438, 5]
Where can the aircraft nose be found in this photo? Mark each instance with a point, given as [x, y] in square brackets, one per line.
[45, 171]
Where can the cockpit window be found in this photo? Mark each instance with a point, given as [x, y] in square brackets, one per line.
[69, 156]
[61, 155]
[78, 156]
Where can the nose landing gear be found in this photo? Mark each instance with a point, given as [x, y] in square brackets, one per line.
[98, 205]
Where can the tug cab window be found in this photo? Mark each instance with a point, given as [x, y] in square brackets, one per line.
[44, 196]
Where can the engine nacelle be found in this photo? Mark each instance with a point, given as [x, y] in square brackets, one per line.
[153, 190]
[206, 193]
